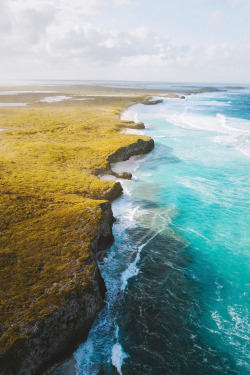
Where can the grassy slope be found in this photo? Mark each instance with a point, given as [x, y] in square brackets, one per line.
[49, 210]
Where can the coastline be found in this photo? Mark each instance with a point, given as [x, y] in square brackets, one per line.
[119, 163]
[128, 164]
[117, 170]
[69, 325]
[135, 194]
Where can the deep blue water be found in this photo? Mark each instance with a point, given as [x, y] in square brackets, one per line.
[178, 273]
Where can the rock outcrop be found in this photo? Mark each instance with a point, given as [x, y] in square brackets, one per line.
[125, 175]
[114, 192]
[142, 146]
[152, 101]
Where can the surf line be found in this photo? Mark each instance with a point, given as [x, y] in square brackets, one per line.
[132, 269]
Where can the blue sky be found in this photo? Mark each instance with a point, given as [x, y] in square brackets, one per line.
[194, 40]
[184, 21]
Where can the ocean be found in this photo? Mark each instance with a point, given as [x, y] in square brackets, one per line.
[177, 275]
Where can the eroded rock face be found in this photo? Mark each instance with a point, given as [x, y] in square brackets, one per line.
[54, 337]
[113, 193]
[104, 237]
[142, 146]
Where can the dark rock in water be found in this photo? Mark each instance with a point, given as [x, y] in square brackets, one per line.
[152, 102]
[125, 175]
[182, 97]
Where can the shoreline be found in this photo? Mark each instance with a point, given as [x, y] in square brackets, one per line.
[56, 336]
[68, 325]
[120, 162]
[103, 241]
[54, 332]
[117, 166]
[39, 343]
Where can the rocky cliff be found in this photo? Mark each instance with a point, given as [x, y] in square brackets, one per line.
[142, 146]
[52, 338]
[55, 336]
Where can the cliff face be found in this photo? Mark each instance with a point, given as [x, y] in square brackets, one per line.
[114, 192]
[142, 146]
[56, 335]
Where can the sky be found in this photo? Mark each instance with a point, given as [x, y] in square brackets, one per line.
[140, 40]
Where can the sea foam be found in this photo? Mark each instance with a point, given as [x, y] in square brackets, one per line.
[233, 132]
[132, 269]
[118, 354]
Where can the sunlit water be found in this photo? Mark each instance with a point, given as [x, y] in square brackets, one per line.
[178, 274]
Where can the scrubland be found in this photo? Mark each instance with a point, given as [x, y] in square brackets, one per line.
[50, 195]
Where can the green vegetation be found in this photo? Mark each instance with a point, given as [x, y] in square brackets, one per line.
[49, 202]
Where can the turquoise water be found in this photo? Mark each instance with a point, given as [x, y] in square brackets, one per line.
[178, 273]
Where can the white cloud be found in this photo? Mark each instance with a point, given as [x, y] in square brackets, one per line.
[33, 24]
[5, 18]
[62, 39]
[122, 2]
[92, 42]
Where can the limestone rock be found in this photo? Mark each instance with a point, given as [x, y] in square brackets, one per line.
[125, 175]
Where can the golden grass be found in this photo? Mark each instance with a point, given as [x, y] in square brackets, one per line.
[49, 207]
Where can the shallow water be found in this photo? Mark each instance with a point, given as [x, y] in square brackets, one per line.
[178, 273]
